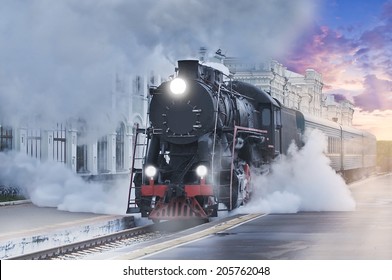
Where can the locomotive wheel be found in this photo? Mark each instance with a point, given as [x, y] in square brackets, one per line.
[234, 197]
[225, 191]
[236, 194]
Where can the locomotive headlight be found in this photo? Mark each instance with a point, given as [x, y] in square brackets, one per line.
[150, 171]
[177, 86]
[201, 171]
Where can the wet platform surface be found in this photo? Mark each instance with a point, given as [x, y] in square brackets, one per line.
[27, 228]
[25, 217]
[365, 233]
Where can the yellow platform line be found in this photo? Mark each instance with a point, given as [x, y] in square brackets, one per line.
[137, 254]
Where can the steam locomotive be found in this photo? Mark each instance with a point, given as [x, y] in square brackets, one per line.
[205, 133]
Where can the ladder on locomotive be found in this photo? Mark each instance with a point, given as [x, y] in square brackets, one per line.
[220, 181]
[140, 147]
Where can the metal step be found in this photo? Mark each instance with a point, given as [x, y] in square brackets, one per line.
[133, 210]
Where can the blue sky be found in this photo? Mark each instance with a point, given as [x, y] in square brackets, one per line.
[343, 14]
[350, 44]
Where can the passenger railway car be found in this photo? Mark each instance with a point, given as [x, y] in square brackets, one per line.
[352, 152]
[206, 132]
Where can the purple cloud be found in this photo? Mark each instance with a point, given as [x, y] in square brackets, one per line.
[377, 38]
[362, 51]
[386, 14]
[377, 94]
[339, 97]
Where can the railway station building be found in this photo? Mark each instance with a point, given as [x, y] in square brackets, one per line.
[111, 154]
[70, 143]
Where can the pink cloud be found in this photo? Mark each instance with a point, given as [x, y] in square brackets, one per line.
[358, 67]
[325, 50]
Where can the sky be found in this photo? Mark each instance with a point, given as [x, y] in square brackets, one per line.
[58, 58]
[350, 44]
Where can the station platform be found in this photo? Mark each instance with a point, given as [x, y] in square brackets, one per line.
[26, 228]
[362, 234]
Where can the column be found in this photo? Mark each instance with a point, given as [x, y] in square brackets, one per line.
[47, 145]
[112, 152]
[20, 140]
[92, 158]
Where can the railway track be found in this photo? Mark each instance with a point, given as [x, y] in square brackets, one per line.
[79, 250]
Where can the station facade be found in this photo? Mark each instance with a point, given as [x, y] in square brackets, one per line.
[68, 142]
[111, 154]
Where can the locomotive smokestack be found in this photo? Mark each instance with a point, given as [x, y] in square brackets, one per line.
[188, 69]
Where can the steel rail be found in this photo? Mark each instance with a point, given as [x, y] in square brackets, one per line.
[72, 248]
[85, 244]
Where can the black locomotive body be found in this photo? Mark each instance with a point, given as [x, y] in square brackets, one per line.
[205, 132]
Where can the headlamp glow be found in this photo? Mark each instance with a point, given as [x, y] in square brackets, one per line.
[201, 171]
[150, 171]
[177, 86]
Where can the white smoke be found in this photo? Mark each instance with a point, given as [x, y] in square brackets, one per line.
[302, 180]
[58, 58]
[52, 184]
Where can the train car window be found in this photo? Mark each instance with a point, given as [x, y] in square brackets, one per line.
[278, 148]
[334, 145]
[278, 118]
[266, 116]
[337, 145]
[333, 140]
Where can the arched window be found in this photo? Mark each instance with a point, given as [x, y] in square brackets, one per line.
[120, 152]
[34, 143]
[81, 149]
[5, 138]
[59, 143]
[103, 155]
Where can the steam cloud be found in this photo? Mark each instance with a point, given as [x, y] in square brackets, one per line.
[301, 181]
[52, 184]
[58, 58]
